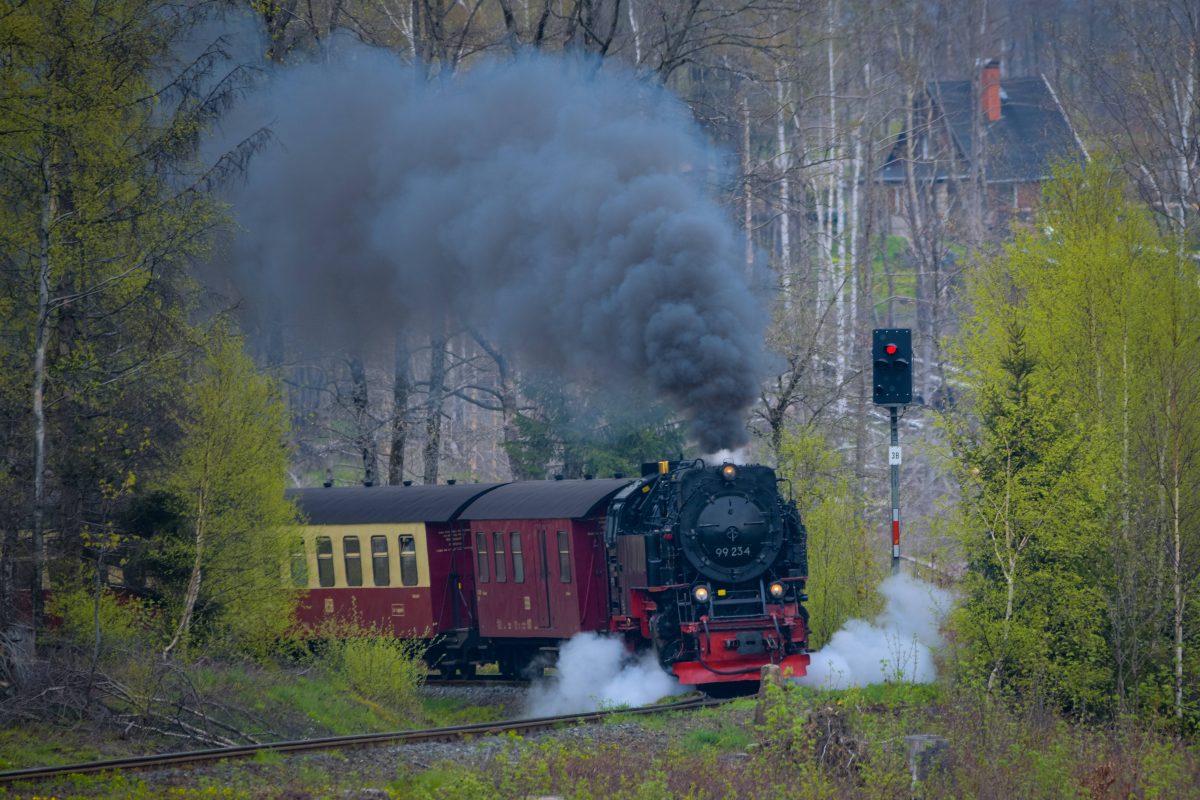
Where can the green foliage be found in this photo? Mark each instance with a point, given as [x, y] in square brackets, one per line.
[725, 738]
[228, 488]
[40, 745]
[443, 783]
[125, 623]
[577, 434]
[99, 219]
[382, 668]
[1032, 528]
[852, 750]
[845, 575]
[1079, 466]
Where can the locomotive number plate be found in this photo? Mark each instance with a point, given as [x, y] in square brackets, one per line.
[397, 609]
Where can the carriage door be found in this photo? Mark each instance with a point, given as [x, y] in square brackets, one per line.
[543, 574]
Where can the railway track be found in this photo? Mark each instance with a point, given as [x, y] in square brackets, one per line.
[478, 680]
[449, 733]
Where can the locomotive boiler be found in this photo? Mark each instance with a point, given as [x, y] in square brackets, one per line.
[708, 565]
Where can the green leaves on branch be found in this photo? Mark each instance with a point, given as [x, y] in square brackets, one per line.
[845, 575]
[1078, 466]
[228, 487]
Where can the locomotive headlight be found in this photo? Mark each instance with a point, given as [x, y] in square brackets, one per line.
[729, 472]
[700, 593]
[776, 589]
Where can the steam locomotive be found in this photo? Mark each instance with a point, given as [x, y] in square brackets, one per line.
[705, 564]
[710, 567]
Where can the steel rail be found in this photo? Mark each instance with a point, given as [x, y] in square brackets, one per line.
[448, 733]
[479, 681]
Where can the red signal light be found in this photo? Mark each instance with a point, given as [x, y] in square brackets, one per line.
[891, 349]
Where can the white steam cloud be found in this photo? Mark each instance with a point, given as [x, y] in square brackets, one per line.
[597, 671]
[896, 647]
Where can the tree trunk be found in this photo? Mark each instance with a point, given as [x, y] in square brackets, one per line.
[193, 590]
[364, 435]
[1177, 582]
[401, 390]
[433, 405]
[1010, 582]
[41, 333]
[784, 163]
[8, 553]
[506, 394]
[747, 192]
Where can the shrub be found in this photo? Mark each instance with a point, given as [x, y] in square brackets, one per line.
[123, 621]
[377, 666]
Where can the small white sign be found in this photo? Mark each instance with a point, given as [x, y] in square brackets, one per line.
[894, 456]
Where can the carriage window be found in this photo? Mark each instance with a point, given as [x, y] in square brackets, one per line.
[564, 557]
[481, 556]
[353, 556]
[381, 570]
[325, 561]
[498, 545]
[408, 560]
[299, 564]
[518, 558]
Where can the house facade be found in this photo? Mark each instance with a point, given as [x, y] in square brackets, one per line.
[979, 148]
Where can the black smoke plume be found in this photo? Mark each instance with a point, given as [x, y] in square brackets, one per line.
[560, 208]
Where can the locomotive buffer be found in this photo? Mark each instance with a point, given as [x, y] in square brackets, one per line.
[891, 352]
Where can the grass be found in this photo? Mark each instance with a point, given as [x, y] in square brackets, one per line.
[725, 738]
[38, 745]
[822, 744]
[443, 711]
[848, 744]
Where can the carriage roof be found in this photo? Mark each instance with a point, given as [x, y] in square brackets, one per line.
[543, 499]
[360, 505]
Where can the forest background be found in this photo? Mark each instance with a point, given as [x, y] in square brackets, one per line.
[151, 421]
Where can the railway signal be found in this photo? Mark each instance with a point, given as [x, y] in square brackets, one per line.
[891, 352]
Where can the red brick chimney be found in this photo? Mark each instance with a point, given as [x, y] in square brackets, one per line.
[989, 94]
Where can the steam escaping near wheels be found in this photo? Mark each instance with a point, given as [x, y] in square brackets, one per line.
[596, 671]
[896, 647]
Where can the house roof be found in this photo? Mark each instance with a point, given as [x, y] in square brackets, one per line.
[361, 505]
[1032, 133]
[543, 499]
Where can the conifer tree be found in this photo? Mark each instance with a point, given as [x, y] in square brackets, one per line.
[101, 207]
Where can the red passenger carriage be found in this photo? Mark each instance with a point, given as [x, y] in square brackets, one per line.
[706, 565]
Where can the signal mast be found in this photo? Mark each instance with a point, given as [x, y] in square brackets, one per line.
[891, 351]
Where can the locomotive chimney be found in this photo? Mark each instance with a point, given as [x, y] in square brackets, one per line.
[451, 482]
[328, 478]
[408, 483]
[989, 90]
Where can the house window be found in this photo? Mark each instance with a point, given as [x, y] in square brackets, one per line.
[498, 545]
[408, 560]
[353, 557]
[481, 556]
[381, 570]
[518, 558]
[325, 561]
[564, 557]
[299, 564]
